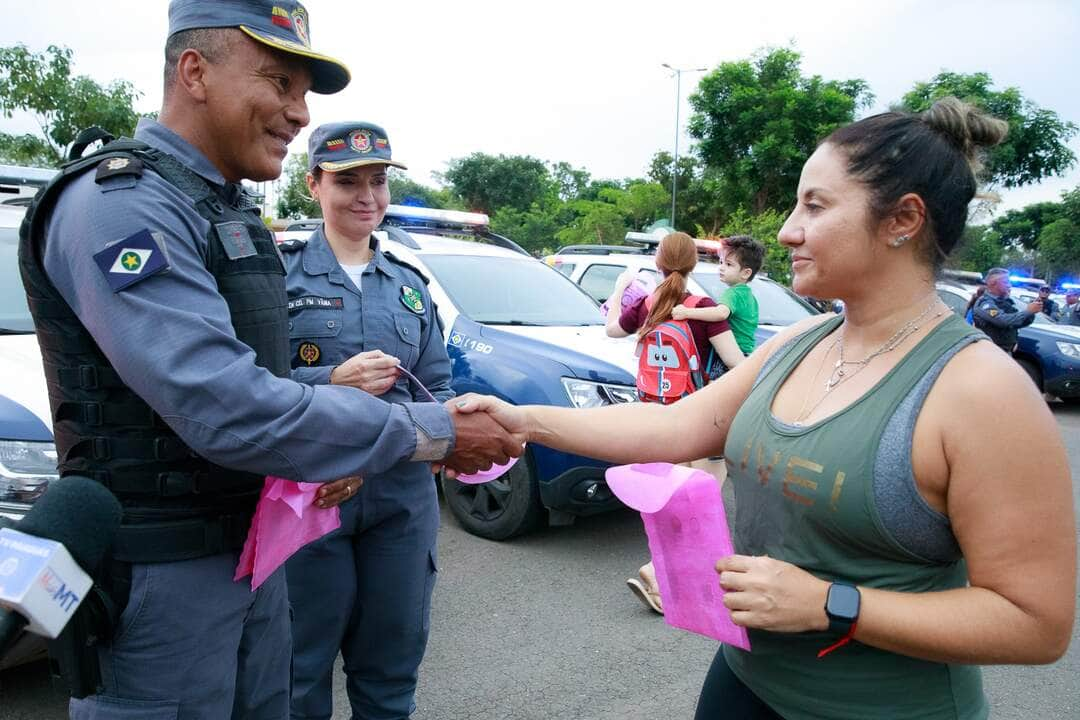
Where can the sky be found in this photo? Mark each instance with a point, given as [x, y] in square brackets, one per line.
[583, 82]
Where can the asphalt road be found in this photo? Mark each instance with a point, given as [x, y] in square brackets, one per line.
[544, 627]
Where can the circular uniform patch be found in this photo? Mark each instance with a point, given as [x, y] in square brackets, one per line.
[309, 353]
[131, 261]
[360, 141]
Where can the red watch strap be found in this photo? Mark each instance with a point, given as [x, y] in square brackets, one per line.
[841, 642]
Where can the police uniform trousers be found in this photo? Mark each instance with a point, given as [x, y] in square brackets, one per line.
[193, 644]
[366, 589]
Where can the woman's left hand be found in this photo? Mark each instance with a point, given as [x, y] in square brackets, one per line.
[338, 491]
[770, 594]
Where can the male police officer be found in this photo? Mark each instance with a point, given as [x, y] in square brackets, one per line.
[1049, 307]
[159, 301]
[997, 315]
[1070, 313]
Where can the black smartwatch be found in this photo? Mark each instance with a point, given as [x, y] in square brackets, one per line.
[842, 607]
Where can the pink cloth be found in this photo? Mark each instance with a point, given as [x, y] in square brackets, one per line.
[483, 476]
[286, 519]
[684, 518]
[642, 286]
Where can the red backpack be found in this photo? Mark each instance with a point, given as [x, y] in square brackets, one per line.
[668, 364]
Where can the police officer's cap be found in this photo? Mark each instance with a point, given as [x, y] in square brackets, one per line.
[339, 146]
[279, 24]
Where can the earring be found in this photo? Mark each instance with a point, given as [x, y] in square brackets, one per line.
[897, 242]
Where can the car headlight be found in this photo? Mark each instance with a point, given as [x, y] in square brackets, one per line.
[25, 470]
[1070, 349]
[587, 394]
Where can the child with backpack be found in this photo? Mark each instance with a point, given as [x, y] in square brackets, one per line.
[672, 354]
[742, 259]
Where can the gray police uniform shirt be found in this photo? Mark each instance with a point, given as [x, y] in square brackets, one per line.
[170, 339]
[331, 319]
[1000, 319]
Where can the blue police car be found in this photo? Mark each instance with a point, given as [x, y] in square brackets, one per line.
[1048, 352]
[517, 329]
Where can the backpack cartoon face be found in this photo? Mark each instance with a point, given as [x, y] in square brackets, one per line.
[661, 356]
[668, 366]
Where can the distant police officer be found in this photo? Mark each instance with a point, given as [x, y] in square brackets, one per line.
[997, 315]
[355, 314]
[1070, 312]
[1049, 307]
[159, 301]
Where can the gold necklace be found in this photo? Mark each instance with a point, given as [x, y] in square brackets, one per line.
[839, 372]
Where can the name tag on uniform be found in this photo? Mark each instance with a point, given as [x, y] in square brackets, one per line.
[236, 240]
[314, 301]
[132, 259]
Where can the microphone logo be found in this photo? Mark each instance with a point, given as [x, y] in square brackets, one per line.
[8, 567]
[58, 589]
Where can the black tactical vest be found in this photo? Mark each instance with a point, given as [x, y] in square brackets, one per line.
[177, 505]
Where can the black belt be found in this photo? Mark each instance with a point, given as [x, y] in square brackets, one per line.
[176, 540]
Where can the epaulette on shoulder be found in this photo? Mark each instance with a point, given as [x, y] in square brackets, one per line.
[398, 261]
[118, 165]
[293, 245]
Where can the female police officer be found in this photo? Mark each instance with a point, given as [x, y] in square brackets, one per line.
[355, 312]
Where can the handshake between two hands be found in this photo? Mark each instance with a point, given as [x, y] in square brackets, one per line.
[488, 432]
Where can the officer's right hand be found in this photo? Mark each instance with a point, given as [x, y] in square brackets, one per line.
[373, 372]
[480, 442]
[1035, 307]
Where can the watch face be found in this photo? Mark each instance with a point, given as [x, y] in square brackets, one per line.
[842, 602]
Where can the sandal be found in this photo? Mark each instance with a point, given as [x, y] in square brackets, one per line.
[650, 597]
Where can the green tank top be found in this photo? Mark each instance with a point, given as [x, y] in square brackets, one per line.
[804, 494]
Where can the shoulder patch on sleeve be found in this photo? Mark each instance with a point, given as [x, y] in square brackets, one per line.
[132, 259]
[114, 166]
[292, 245]
[398, 261]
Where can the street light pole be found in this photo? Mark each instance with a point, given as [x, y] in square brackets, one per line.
[675, 162]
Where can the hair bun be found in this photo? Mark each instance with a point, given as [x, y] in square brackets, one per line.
[968, 127]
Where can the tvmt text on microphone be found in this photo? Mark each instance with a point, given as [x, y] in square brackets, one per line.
[40, 581]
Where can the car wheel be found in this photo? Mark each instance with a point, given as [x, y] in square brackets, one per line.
[1033, 372]
[500, 509]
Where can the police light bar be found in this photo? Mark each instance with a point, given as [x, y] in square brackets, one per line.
[1023, 279]
[457, 217]
[652, 238]
[1070, 286]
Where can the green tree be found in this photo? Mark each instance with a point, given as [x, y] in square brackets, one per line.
[980, 249]
[1059, 248]
[486, 183]
[756, 122]
[597, 222]
[659, 172]
[570, 182]
[294, 201]
[406, 191]
[533, 229]
[62, 105]
[1037, 144]
[1023, 226]
[641, 203]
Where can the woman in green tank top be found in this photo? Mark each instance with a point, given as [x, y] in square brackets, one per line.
[903, 500]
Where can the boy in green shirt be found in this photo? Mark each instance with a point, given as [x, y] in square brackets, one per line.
[741, 262]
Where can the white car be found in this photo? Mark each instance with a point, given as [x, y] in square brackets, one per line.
[595, 269]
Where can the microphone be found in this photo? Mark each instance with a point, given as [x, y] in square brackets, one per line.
[48, 559]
